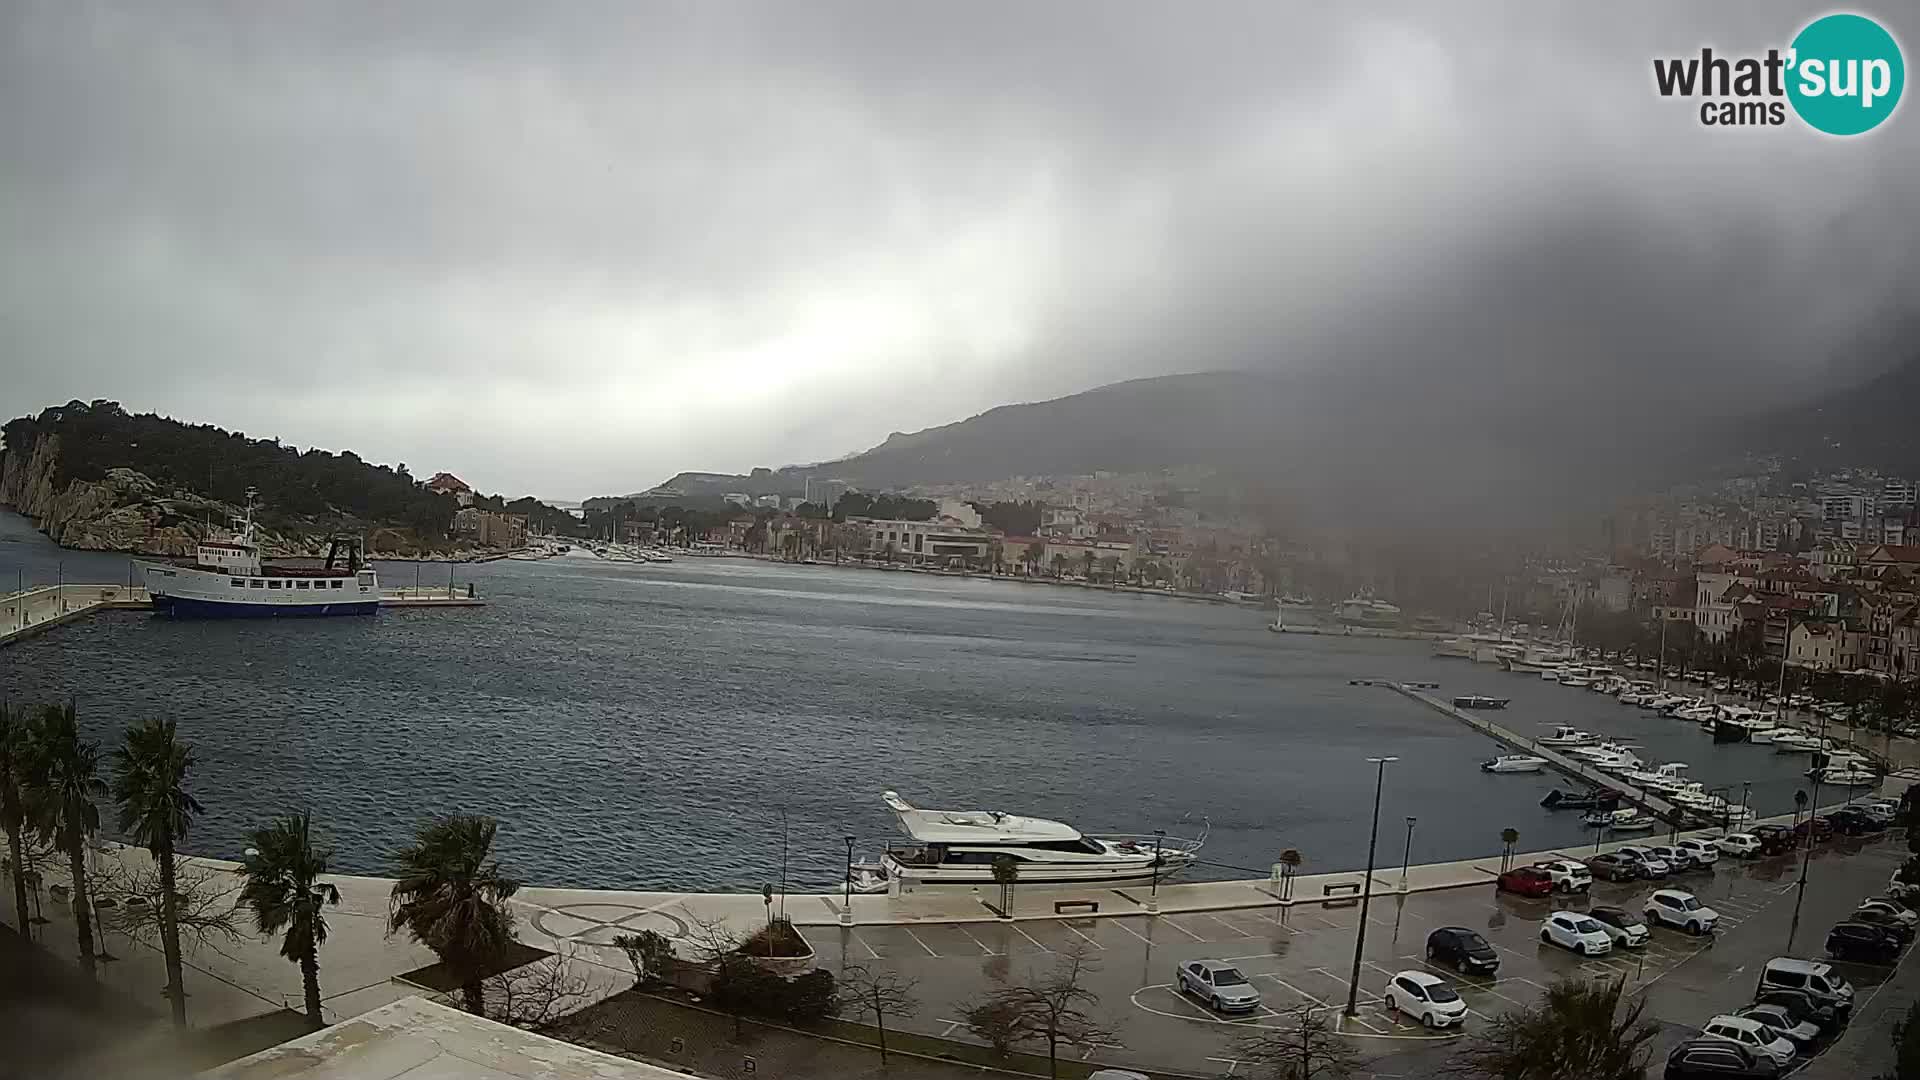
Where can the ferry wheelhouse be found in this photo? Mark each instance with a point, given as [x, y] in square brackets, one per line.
[959, 847]
[227, 579]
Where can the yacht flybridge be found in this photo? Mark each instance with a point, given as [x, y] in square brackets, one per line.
[959, 847]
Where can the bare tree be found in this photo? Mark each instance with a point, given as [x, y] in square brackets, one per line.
[1578, 1032]
[1304, 1048]
[204, 902]
[881, 994]
[1055, 1007]
[533, 996]
[996, 1022]
[649, 951]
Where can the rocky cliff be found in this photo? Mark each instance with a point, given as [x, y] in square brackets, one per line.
[123, 511]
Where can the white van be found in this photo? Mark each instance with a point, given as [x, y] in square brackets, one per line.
[1815, 978]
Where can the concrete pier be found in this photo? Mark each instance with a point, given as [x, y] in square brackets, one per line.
[29, 612]
[1569, 765]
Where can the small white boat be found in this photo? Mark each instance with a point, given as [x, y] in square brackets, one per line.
[1625, 819]
[1847, 777]
[1793, 741]
[1567, 736]
[1514, 763]
[868, 877]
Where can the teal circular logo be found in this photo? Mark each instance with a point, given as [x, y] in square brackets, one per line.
[1846, 74]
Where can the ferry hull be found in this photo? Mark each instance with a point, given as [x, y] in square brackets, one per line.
[187, 607]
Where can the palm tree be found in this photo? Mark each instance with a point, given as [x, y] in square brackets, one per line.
[64, 791]
[284, 892]
[452, 897]
[13, 766]
[1508, 838]
[150, 774]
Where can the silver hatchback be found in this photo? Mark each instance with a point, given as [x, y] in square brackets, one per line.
[1219, 984]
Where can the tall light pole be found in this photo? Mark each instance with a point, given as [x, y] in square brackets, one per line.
[846, 896]
[1806, 856]
[1366, 887]
[1407, 858]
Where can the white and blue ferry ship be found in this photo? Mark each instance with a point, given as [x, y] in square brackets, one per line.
[228, 580]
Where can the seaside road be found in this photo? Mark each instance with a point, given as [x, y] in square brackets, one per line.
[1302, 957]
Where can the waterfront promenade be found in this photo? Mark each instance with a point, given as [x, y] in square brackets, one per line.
[362, 968]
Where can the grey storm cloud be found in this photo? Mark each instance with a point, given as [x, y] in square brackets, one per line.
[571, 249]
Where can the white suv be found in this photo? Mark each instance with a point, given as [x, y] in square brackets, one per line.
[1703, 852]
[1757, 1037]
[1681, 909]
[1568, 876]
[1575, 930]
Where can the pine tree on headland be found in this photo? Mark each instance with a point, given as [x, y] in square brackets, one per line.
[150, 775]
[63, 796]
[451, 896]
[284, 892]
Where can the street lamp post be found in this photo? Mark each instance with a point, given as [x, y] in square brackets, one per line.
[1366, 887]
[1806, 855]
[1153, 892]
[1406, 859]
[846, 905]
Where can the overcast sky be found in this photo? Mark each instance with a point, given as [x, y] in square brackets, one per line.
[571, 249]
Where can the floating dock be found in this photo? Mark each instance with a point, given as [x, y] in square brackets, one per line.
[1571, 766]
[32, 611]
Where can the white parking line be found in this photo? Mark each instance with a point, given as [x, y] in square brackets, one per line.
[1029, 937]
[977, 941]
[1183, 930]
[872, 954]
[1252, 956]
[1084, 937]
[951, 1025]
[917, 941]
[1293, 988]
[1134, 932]
[1229, 926]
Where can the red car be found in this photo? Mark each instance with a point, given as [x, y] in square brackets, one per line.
[1525, 881]
[1822, 829]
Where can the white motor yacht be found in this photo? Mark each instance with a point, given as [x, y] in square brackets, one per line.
[959, 847]
[1567, 736]
[1847, 777]
[1625, 819]
[1514, 763]
[1795, 741]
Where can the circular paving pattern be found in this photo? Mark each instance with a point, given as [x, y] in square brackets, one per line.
[599, 924]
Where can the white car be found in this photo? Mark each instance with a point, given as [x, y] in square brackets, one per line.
[1650, 864]
[1752, 1034]
[1680, 909]
[1574, 930]
[1702, 852]
[1675, 858]
[1426, 998]
[1568, 876]
[1892, 909]
[1801, 1032]
[1744, 845]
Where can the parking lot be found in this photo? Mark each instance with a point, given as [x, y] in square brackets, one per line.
[1301, 957]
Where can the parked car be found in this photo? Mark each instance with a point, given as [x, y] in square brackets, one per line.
[1611, 867]
[1803, 1033]
[1568, 876]
[1624, 927]
[1525, 881]
[1852, 821]
[1895, 927]
[1774, 839]
[1892, 908]
[1427, 998]
[1465, 949]
[1682, 910]
[1219, 984]
[1817, 979]
[1802, 1006]
[1718, 1059]
[1753, 1035]
[1881, 811]
[1702, 851]
[1651, 865]
[1678, 861]
[1820, 827]
[1573, 930]
[1740, 845]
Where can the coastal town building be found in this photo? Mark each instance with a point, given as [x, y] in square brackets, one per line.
[491, 528]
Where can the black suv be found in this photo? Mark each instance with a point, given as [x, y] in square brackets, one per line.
[1699, 1059]
[1465, 949]
[1774, 839]
[1848, 821]
[1803, 1006]
[1862, 941]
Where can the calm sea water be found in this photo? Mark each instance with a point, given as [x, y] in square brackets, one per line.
[668, 725]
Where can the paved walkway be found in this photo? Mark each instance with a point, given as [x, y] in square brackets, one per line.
[23, 614]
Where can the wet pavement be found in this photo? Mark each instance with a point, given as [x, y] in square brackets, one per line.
[1303, 956]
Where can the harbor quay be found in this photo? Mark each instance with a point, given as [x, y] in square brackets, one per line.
[1295, 938]
[35, 610]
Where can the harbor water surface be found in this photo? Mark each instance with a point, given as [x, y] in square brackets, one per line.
[694, 725]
